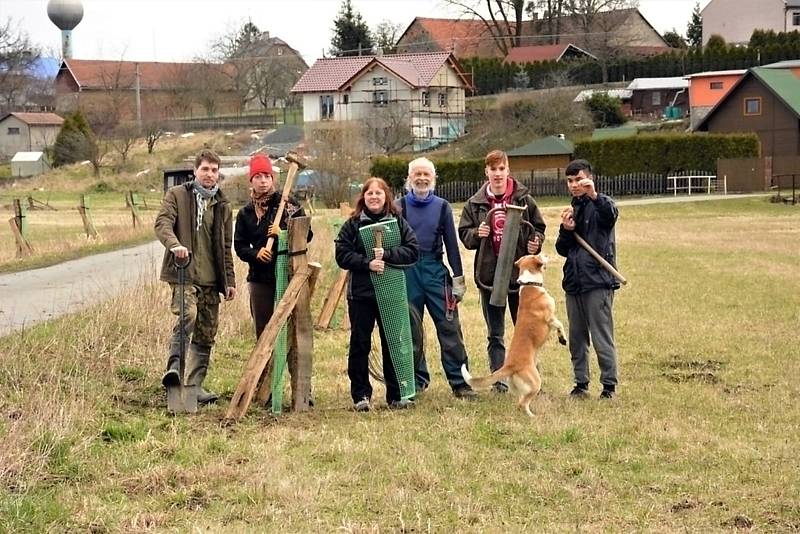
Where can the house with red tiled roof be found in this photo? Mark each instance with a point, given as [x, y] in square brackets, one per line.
[165, 90]
[27, 132]
[423, 93]
[535, 54]
[626, 29]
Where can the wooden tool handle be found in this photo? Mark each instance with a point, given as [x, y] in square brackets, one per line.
[600, 259]
[378, 237]
[287, 188]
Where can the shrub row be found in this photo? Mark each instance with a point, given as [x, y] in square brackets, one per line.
[395, 170]
[664, 154]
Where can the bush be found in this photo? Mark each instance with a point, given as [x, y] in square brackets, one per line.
[665, 153]
[605, 110]
[395, 170]
[71, 142]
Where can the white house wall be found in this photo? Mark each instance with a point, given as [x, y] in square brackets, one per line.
[29, 139]
[431, 125]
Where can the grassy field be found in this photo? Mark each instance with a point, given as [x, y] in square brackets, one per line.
[702, 436]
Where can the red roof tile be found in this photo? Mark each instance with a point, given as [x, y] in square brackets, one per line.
[532, 54]
[332, 74]
[101, 74]
[45, 119]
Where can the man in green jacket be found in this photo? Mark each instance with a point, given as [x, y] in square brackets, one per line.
[195, 223]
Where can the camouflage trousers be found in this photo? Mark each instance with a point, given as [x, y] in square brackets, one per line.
[201, 304]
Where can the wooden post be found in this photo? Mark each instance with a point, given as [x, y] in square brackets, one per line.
[132, 200]
[88, 225]
[19, 229]
[254, 368]
[301, 335]
[332, 301]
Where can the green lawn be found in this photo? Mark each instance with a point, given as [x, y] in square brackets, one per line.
[702, 437]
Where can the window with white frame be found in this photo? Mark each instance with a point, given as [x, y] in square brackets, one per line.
[380, 98]
[429, 131]
[326, 107]
[442, 100]
[380, 80]
[426, 99]
[795, 18]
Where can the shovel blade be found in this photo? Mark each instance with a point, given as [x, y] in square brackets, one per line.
[174, 401]
[190, 398]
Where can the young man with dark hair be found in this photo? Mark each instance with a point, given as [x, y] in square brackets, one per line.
[589, 287]
[195, 225]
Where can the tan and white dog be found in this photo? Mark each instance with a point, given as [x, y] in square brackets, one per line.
[535, 319]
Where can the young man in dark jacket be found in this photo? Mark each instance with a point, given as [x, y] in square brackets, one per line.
[476, 232]
[195, 224]
[588, 286]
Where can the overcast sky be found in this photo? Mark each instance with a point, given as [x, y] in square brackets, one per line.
[179, 30]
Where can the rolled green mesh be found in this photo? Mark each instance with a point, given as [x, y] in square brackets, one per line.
[279, 349]
[390, 290]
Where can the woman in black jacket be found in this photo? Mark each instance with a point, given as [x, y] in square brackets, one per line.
[374, 204]
[255, 222]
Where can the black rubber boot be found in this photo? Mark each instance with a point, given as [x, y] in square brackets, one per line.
[197, 360]
[172, 377]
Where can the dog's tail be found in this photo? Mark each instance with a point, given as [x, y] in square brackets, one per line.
[485, 381]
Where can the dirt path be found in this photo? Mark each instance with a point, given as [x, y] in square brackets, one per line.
[29, 297]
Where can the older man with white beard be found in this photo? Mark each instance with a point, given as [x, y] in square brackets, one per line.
[429, 283]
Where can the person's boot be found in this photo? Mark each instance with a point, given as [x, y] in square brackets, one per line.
[172, 377]
[197, 361]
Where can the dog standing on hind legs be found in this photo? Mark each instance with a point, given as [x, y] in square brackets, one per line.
[535, 319]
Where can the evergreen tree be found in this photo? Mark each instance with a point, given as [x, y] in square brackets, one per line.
[674, 39]
[351, 35]
[72, 140]
[694, 31]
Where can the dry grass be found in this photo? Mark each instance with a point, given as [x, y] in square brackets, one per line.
[701, 438]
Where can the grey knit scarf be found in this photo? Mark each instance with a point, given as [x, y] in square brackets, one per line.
[202, 195]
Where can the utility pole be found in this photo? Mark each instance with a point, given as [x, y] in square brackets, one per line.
[138, 98]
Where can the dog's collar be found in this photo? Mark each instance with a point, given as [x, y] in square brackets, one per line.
[537, 284]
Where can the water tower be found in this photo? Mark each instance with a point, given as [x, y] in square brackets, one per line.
[65, 14]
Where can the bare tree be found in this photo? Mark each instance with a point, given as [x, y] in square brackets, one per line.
[503, 19]
[208, 83]
[386, 35]
[552, 13]
[153, 131]
[124, 137]
[600, 25]
[337, 153]
[177, 86]
[17, 56]
[388, 128]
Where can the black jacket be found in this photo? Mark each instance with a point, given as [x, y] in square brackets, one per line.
[594, 221]
[352, 256]
[474, 213]
[251, 234]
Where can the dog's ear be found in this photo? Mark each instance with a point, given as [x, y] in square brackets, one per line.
[516, 263]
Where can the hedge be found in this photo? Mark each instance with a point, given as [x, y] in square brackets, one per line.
[395, 170]
[664, 154]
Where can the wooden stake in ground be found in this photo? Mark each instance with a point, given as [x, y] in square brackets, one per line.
[332, 300]
[133, 200]
[19, 229]
[254, 368]
[301, 334]
[84, 210]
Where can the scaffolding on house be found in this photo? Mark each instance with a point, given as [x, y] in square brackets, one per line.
[437, 113]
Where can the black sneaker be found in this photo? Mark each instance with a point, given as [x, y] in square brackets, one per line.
[362, 405]
[608, 394]
[465, 392]
[402, 404]
[579, 392]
